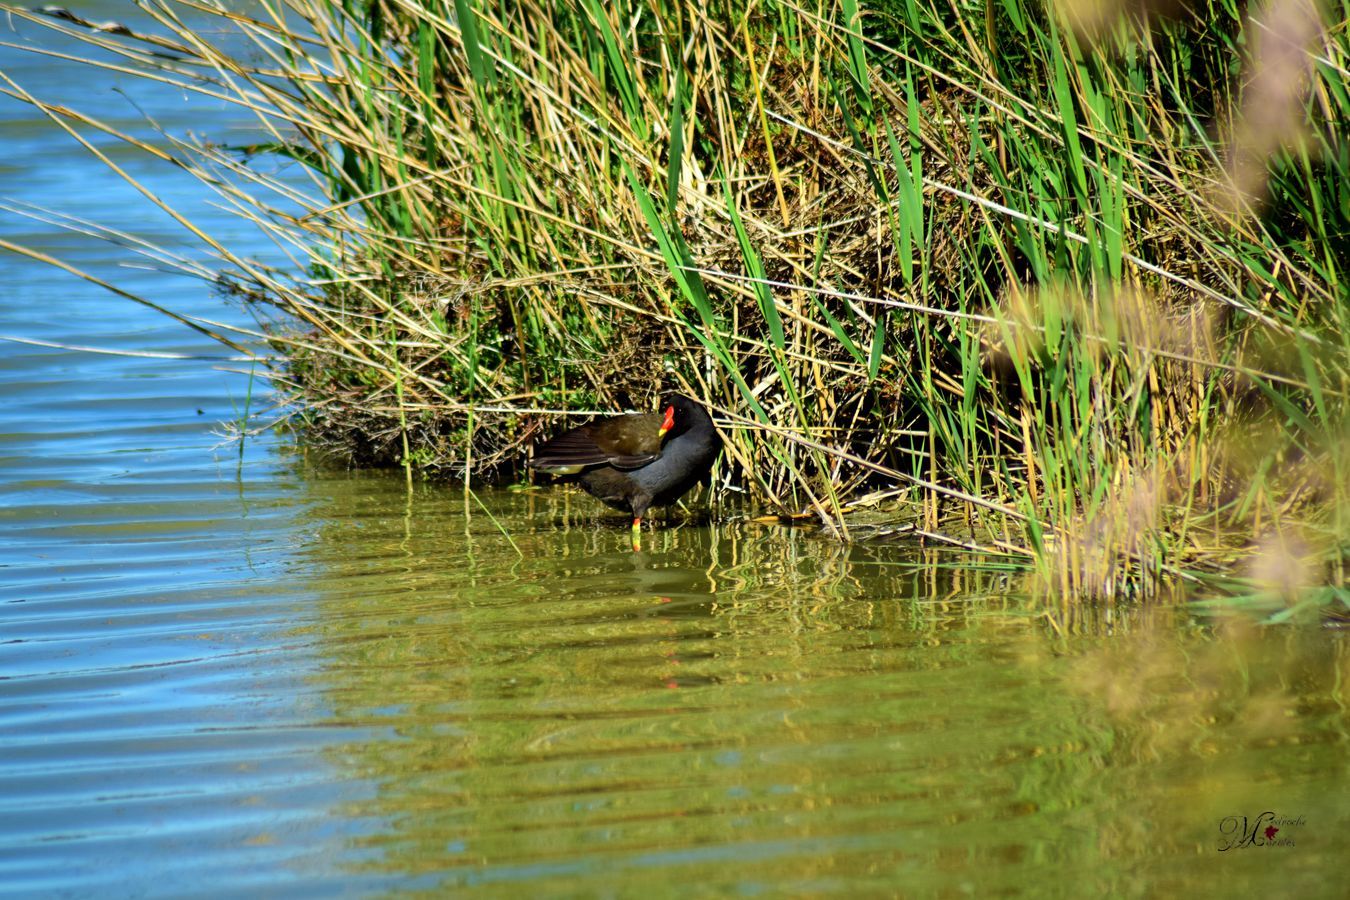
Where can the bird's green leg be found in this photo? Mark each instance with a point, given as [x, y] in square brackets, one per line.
[637, 534]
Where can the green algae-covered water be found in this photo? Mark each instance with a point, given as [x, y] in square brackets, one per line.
[245, 674]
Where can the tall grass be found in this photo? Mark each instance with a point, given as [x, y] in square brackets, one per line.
[1061, 282]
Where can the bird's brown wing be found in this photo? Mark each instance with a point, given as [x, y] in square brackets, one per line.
[628, 442]
[624, 442]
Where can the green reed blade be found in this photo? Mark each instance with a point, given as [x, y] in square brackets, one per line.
[755, 268]
[676, 159]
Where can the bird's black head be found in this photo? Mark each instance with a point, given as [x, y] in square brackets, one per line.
[684, 414]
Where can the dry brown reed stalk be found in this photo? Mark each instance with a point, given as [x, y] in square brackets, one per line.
[1288, 36]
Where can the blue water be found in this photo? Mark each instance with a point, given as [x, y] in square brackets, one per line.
[151, 741]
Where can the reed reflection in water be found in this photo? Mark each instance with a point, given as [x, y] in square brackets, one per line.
[758, 709]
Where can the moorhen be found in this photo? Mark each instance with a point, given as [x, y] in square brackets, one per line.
[636, 461]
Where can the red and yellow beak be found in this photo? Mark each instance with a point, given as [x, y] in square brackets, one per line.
[669, 421]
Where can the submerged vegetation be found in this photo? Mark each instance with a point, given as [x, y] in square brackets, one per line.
[1061, 282]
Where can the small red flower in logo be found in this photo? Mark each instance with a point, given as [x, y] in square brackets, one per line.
[1270, 832]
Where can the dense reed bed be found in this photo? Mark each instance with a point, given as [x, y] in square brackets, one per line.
[1060, 282]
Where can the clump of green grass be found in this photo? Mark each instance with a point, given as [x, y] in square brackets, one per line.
[1021, 277]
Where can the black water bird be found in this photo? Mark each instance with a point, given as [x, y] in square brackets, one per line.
[636, 461]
